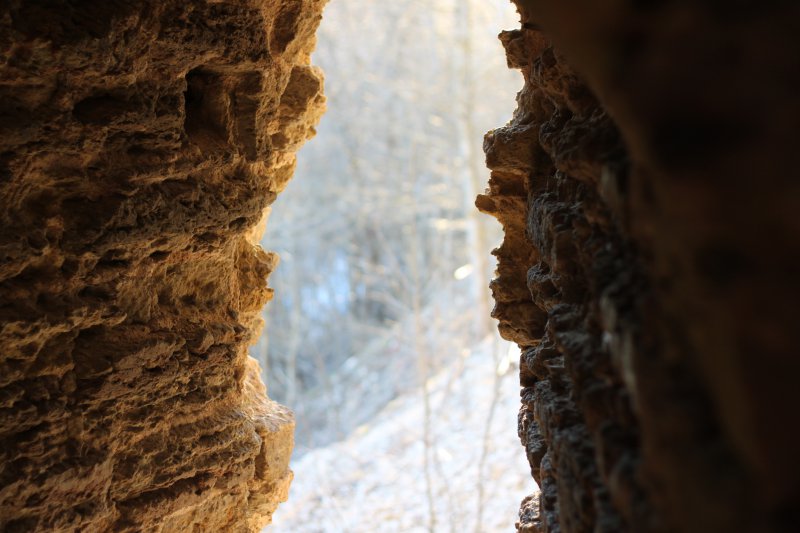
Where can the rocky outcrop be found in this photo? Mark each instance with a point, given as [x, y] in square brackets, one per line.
[647, 188]
[140, 145]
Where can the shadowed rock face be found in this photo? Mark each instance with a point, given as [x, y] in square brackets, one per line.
[140, 145]
[648, 187]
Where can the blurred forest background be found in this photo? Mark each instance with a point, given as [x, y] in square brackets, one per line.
[385, 262]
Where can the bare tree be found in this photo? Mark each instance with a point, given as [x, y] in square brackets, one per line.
[380, 214]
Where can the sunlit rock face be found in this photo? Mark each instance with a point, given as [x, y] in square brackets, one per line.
[648, 188]
[140, 145]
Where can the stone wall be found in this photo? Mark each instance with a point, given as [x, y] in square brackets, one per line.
[648, 189]
[647, 185]
[140, 145]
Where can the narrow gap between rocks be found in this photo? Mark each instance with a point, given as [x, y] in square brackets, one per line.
[379, 336]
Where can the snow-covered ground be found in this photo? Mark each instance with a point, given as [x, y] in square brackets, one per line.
[378, 479]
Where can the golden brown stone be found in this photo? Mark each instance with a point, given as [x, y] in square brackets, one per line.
[140, 144]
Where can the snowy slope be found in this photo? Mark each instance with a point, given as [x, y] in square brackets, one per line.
[376, 479]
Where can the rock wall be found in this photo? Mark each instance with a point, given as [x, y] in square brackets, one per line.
[140, 145]
[648, 189]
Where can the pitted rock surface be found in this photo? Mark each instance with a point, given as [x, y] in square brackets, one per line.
[140, 145]
[657, 323]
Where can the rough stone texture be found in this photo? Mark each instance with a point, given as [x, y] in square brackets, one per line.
[648, 188]
[140, 145]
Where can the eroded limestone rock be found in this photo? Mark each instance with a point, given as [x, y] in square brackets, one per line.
[647, 186]
[140, 145]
